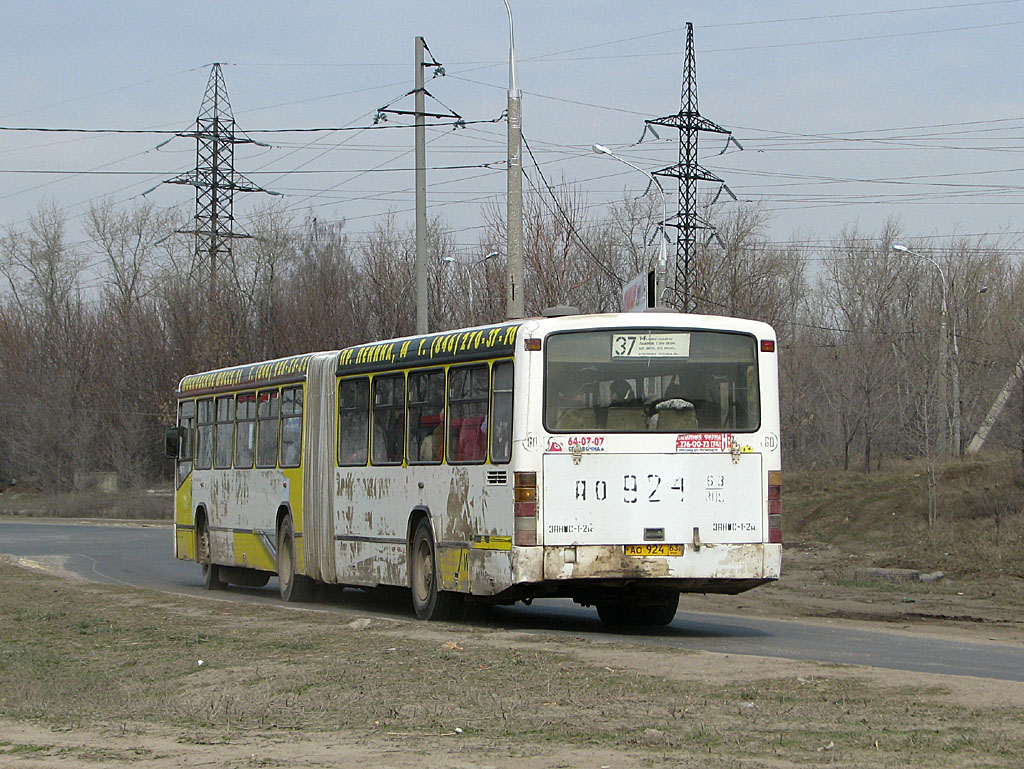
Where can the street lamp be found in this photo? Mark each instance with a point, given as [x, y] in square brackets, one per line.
[468, 266]
[951, 363]
[663, 255]
[515, 296]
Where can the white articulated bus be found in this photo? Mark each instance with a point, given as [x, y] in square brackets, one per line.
[617, 460]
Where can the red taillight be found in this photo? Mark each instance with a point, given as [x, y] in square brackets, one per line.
[775, 506]
[524, 491]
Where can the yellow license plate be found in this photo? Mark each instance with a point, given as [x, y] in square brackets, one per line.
[654, 549]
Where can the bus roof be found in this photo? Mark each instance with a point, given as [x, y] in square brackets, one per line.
[468, 344]
[478, 343]
[270, 372]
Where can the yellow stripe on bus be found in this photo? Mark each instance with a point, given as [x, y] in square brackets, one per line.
[488, 542]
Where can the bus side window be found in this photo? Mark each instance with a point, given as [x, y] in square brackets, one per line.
[467, 413]
[501, 411]
[224, 435]
[268, 412]
[245, 429]
[388, 419]
[426, 417]
[186, 448]
[204, 434]
[353, 420]
[291, 426]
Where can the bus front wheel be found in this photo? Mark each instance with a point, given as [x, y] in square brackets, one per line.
[428, 601]
[294, 587]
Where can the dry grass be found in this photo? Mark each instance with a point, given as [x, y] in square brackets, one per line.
[75, 654]
[140, 504]
[978, 536]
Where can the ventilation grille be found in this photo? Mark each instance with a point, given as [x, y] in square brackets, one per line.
[497, 477]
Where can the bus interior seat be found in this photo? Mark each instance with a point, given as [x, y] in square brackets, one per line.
[676, 414]
[577, 419]
[626, 418]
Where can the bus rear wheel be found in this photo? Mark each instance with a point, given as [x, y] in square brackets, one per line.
[615, 614]
[660, 613]
[204, 554]
[294, 587]
[428, 601]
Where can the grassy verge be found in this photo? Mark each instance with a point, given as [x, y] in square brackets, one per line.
[139, 504]
[76, 654]
[881, 519]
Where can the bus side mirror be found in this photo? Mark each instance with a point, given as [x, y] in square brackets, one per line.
[172, 441]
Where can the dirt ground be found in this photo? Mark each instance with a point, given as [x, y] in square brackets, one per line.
[31, 745]
[816, 587]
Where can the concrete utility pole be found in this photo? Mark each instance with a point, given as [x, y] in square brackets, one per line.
[996, 409]
[421, 196]
[515, 294]
[419, 113]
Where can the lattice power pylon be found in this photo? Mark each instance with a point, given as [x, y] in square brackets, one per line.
[214, 177]
[689, 122]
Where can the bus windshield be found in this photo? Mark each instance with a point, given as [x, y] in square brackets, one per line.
[651, 380]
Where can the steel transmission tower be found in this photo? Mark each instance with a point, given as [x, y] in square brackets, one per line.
[689, 122]
[214, 177]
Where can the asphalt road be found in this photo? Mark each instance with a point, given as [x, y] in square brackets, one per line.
[142, 556]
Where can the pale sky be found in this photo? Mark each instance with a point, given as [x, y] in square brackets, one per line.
[848, 112]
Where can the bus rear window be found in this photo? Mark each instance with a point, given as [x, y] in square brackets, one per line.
[651, 380]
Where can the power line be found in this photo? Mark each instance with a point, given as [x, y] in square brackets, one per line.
[569, 223]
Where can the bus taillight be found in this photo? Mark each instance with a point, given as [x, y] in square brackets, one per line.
[775, 506]
[524, 491]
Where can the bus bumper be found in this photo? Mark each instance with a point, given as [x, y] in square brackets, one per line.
[717, 568]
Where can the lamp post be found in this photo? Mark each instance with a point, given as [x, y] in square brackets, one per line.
[950, 363]
[663, 254]
[469, 266]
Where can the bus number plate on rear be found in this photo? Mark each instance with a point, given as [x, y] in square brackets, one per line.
[643, 550]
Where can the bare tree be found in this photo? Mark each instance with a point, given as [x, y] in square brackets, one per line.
[386, 267]
[52, 416]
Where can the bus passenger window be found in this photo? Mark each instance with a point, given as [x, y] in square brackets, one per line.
[223, 438]
[291, 426]
[388, 419]
[268, 412]
[186, 448]
[501, 411]
[204, 434]
[245, 429]
[467, 414]
[353, 420]
[426, 417]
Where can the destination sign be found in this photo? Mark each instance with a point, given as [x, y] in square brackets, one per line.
[650, 345]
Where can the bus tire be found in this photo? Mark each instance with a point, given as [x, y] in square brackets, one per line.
[428, 602]
[294, 587]
[204, 554]
[615, 614]
[660, 613]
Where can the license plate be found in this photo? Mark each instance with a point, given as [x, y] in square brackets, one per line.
[654, 550]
